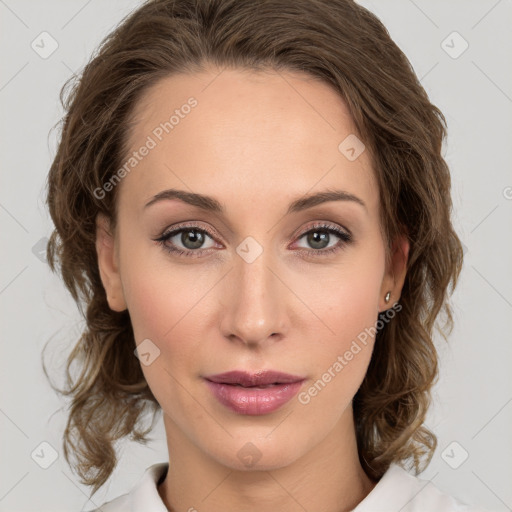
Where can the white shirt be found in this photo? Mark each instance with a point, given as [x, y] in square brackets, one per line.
[396, 491]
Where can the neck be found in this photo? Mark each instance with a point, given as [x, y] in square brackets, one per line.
[329, 478]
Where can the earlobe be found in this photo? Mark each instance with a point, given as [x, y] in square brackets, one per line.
[394, 279]
[108, 265]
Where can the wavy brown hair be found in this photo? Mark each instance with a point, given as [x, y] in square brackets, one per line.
[347, 47]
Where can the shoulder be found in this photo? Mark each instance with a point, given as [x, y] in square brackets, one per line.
[143, 497]
[399, 490]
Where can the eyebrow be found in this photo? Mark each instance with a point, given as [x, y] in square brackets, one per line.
[210, 204]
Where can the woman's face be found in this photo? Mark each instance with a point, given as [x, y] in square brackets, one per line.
[264, 281]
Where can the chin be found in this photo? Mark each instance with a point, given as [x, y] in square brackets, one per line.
[258, 453]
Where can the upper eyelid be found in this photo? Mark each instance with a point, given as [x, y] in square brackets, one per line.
[171, 232]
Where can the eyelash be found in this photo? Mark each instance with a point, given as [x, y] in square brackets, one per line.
[346, 238]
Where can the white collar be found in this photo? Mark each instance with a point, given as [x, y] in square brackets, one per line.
[396, 491]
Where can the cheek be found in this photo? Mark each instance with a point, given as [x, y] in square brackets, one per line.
[151, 304]
[350, 301]
[349, 308]
[156, 296]
[161, 310]
[167, 306]
[340, 360]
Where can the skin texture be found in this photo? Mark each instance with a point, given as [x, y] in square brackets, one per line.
[256, 141]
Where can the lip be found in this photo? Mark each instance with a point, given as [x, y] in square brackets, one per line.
[256, 393]
[259, 378]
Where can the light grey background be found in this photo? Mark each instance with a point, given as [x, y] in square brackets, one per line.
[474, 395]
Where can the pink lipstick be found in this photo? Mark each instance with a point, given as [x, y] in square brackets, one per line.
[254, 394]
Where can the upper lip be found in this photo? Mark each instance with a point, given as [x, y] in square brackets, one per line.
[259, 378]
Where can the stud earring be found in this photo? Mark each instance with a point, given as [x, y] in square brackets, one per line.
[387, 297]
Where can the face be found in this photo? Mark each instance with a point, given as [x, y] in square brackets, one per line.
[257, 277]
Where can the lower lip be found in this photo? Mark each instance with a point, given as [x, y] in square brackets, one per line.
[254, 401]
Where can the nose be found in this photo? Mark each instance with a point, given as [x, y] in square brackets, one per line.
[254, 300]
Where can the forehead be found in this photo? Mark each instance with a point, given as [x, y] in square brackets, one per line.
[262, 132]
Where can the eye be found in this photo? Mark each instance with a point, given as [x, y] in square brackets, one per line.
[191, 238]
[319, 237]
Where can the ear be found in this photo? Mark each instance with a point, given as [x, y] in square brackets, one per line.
[108, 264]
[395, 272]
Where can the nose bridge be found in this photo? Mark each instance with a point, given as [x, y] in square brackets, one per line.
[255, 307]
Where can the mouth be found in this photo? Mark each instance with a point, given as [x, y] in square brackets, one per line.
[256, 393]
